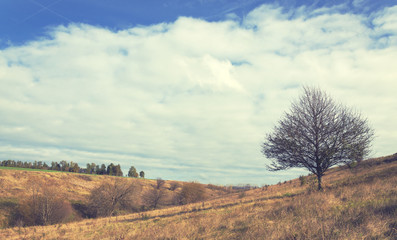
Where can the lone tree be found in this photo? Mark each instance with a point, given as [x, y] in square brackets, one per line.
[317, 134]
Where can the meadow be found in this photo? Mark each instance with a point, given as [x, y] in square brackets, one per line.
[356, 203]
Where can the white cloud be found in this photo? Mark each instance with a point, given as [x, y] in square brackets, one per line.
[358, 3]
[191, 99]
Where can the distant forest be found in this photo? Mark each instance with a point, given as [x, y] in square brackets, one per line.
[64, 166]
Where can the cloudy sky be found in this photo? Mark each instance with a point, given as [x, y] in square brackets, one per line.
[186, 90]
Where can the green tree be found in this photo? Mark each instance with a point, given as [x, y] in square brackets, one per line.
[117, 170]
[110, 169]
[74, 167]
[39, 165]
[102, 169]
[20, 164]
[45, 166]
[89, 169]
[142, 174]
[64, 166]
[97, 169]
[132, 172]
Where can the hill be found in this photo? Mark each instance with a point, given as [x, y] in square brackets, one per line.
[17, 185]
[357, 203]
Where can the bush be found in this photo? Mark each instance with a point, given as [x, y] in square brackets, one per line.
[7, 206]
[192, 192]
[43, 207]
[110, 197]
[83, 209]
[174, 186]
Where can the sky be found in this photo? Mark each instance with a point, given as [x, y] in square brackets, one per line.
[186, 90]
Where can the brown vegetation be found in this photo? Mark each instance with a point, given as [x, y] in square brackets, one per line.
[78, 196]
[357, 203]
[192, 192]
[113, 195]
[156, 195]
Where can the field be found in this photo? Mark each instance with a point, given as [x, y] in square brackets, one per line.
[18, 184]
[357, 203]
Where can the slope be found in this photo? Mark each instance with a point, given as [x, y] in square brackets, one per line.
[357, 203]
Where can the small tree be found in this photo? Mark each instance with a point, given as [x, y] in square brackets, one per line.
[117, 170]
[106, 198]
[45, 166]
[156, 195]
[89, 168]
[132, 172]
[64, 166]
[44, 206]
[110, 169]
[142, 174]
[317, 134]
[102, 169]
[74, 167]
[97, 169]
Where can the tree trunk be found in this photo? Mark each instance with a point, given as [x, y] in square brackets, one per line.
[319, 182]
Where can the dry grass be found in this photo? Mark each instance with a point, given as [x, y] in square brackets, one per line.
[356, 204]
[16, 185]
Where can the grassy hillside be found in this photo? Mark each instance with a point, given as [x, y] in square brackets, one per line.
[358, 203]
[18, 184]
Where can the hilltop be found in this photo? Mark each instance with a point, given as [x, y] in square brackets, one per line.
[357, 203]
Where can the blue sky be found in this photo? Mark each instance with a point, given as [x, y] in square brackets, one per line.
[24, 20]
[185, 90]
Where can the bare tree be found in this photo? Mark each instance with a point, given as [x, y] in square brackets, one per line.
[44, 206]
[317, 134]
[156, 195]
[159, 183]
[106, 198]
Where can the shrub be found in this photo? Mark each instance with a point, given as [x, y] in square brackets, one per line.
[83, 209]
[174, 186]
[112, 196]
[44, 207]
[192, 192]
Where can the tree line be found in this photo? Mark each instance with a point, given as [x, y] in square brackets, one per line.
[64, 166]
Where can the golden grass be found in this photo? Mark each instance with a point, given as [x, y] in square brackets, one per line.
[356, 204]
[16, 185]
[73, 186]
